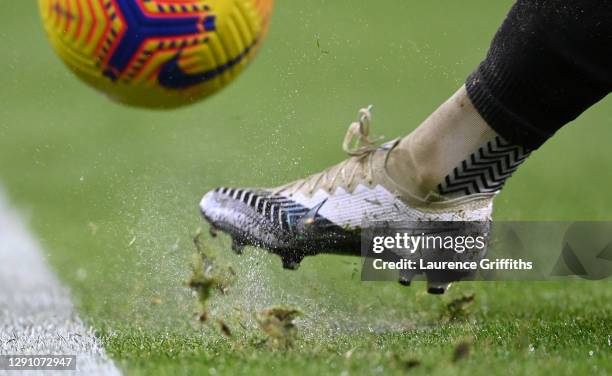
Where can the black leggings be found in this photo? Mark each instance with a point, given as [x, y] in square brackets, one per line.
[549, 61]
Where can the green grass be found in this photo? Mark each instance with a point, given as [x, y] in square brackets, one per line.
[112, 193]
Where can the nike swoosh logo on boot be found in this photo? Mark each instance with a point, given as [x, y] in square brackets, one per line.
[309, 218]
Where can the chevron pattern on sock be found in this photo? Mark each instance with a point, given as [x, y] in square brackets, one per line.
[486, 170]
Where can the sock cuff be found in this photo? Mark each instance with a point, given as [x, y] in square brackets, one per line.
[482, 86]
[548, 62]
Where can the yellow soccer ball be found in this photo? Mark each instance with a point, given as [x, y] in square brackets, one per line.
[156, 53]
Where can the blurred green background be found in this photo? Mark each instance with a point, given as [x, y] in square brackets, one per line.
[112, 194]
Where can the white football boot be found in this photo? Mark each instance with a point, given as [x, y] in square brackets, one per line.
[326, 211]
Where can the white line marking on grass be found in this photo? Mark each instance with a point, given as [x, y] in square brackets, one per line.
[36, 313]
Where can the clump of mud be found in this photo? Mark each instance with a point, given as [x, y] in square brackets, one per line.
[462, 349]
[208, 277]
[278, 323]
[404, 362]
[459, 309]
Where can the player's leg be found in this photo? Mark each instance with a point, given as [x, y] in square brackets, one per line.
[549, 62]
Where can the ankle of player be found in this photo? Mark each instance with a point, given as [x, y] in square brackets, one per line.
[415, 170]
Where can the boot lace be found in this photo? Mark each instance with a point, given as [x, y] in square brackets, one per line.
[358, 145]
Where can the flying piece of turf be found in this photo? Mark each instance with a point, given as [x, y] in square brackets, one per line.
[278, 323]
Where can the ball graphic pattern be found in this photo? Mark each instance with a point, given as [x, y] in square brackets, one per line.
[156, 53]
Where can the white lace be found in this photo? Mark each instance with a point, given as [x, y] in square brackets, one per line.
[357, 144]
[357, 140]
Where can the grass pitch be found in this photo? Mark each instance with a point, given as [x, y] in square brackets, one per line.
[112, 194]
